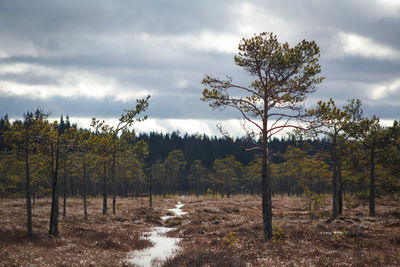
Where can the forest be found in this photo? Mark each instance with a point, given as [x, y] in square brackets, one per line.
[188, 164]
[328, 191]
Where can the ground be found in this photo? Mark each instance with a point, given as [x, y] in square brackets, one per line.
[216, 232]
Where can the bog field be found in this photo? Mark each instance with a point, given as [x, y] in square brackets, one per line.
[214, 232]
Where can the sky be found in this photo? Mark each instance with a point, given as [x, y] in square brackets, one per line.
[93, 58]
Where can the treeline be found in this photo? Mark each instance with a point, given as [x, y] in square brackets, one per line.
[41, 158]
[36, 152]
[207, 149]
[196, 164]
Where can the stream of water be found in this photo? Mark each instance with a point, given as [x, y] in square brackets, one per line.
[164, 247]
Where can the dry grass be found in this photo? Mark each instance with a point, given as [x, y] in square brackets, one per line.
[99, 241]
[216, 232]
[355, 239]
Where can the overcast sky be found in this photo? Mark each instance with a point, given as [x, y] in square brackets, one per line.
[93, 58]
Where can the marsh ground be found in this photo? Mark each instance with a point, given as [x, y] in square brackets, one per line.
[216, 232]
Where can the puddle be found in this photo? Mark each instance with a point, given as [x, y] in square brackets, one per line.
[163, 247]
[177, 211]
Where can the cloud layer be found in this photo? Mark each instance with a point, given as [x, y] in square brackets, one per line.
[94, 58]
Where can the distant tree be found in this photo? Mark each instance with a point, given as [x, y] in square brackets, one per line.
[157, 174]
[24, 137]
[174, 167]
[337, 125]
[311, 171]
[138, 156]
[197, 175]
[11, 168]
[53, 148]
[103, 148]
[86, 145]
[125, 121]
[281, 177]
[252, 176]
[284, 76]
[227, 172]
[132, 160]
[4, 125]
[390, 160]
[68, 144]
[374, 138]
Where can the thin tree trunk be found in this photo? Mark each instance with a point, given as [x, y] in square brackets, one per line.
[71, 186]
[105, 187]
[266, 195]
[340, 186]
[206, 186]
[28, 193]
[53, 231]
[280, 188]
[65, 187]
[150, 188]
[197, 186]
[372, 183]
[334, 185]
[84, 191]
[113, 177]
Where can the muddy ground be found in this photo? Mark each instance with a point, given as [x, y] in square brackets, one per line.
[216, 232]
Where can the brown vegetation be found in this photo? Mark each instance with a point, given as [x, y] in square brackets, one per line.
[102, 240]
[228, 232]
[216, 232]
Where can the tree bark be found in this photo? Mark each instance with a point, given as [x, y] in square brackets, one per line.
[105, 187]
[340, 186]
[28, 193]
[266, 194]
[84, 190]
[334, 185]
[53, 231]
[65, 187]
[113, 177]
[197, 184]
[150, 188]
[372, 183]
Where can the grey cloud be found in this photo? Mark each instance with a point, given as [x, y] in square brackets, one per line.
[357, 68]
[113, 16]
[164, 107]
[84, 35]
[31, 78]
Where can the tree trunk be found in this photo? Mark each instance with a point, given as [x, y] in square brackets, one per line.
[266, 194]
[372, 183]
[71, 186]
[113, 177]
[340, 186]
[84, 190]
[150, 188]
[228, 190]
[65, 186]
[28, 193]
[105, 187]
[334, 185]
[53, 231]
[206, 186]
[197, 186]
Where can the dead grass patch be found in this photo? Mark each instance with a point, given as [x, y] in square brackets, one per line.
[304, 241]
[216, 232]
